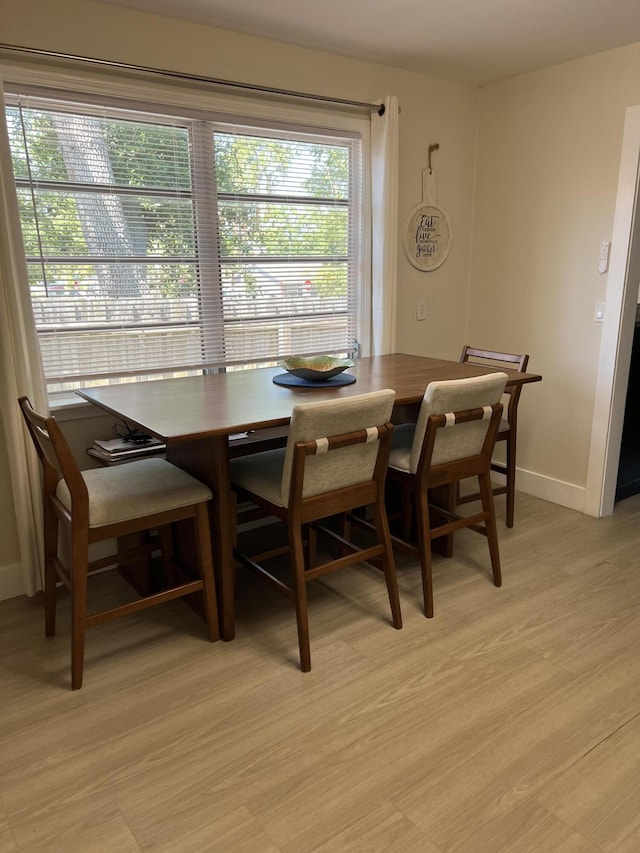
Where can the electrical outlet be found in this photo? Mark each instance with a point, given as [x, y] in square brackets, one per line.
[421, 310]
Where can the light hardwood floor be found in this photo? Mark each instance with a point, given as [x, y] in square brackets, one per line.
[509, 723]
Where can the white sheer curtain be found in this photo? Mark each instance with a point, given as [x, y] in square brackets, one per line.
[384, 225]
[20, 373]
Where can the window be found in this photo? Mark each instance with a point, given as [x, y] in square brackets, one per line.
[166, 245]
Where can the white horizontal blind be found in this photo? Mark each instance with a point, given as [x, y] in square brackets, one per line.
[162, 245]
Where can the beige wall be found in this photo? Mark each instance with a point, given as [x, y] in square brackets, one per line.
[548, 159]
[432, 111]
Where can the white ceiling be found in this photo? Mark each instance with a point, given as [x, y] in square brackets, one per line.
[476, 41]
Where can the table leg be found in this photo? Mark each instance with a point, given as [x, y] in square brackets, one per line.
[208, 460]
[223, 527]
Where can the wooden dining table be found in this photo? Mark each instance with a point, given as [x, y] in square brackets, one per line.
[207, 419]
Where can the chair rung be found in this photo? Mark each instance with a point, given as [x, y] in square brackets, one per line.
[471, 498]
[128, 555]
[269, 555]
[350, 560]
[62, 572]
[335, 537]
[367, 525]
[271, 579]
[479, 529]
[475, 496]
[143, 603]
[404, 546]
[469, 522]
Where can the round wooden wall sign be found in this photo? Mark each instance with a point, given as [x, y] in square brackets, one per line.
[427, 237]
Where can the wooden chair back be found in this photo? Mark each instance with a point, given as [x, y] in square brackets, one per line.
[336, 425]
[467, 437]
[56, 457]
[504, 360]
[467, 462]
[339, 498]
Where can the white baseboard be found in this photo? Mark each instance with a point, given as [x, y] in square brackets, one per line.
[11, 584]
[549, 489]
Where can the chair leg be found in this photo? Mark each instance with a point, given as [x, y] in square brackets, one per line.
[486, 494]
[312, 545]
[424, 550]
[511, 478]
[457, 493]
[50, 574]
[300, 594]
[79, 567]
[388, 563]
[234, 516]
[165, 534]
[205, 562]
[406, 512]
[345, 529]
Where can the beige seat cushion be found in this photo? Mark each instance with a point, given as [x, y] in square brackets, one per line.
[400, 455]
[136, 489]
[260, 473]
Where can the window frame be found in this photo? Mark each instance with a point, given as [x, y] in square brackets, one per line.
[215, 109]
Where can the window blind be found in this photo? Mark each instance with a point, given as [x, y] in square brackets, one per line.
[161, 245]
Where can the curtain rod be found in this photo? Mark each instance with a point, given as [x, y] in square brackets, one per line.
[195, 78]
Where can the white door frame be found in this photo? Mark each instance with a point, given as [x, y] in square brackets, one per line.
[617, 333]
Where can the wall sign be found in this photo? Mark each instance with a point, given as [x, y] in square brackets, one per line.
[427, 231]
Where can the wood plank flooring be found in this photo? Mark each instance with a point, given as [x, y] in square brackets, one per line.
[510, 723]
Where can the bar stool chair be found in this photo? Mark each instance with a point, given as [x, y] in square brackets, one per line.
[507, 431]
[453, 439]
[107, 503]
[335, 461]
